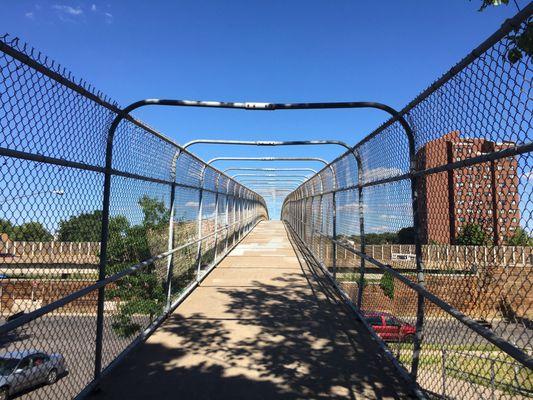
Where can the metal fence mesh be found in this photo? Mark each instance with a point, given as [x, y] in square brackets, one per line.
[443, 278]
[67, 313]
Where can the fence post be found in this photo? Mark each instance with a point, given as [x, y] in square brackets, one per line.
[170, 261]
[238, 215]
[334, 248]
[199, 225]
[226, 217]
[104, 237]
[492, 380]
[215, 226]
[444, 373]
[413, 166]
[362, 245]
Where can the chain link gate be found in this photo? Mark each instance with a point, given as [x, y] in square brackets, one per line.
[429, 236]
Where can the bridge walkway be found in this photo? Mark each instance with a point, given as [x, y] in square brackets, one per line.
[265, 324]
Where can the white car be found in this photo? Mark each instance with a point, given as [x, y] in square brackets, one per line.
[27, 369]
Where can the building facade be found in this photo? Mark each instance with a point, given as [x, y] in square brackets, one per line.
[485, 194]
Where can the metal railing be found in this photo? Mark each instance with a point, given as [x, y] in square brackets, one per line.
[452, 168]
[163, 219]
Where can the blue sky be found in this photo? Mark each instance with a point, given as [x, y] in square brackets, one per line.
[275, 51]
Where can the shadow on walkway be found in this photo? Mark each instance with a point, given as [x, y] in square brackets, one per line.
[261, 329]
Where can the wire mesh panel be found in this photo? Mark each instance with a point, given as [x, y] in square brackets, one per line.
[101, 235]
[433, 241]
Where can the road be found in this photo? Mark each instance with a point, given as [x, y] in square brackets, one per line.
[74, 337]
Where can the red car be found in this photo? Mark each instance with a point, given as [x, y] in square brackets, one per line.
[390, 328]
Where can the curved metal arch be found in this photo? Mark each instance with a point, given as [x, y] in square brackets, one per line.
[268, 169]
[274, 180]
[321, 160]
[268, 142]
[270, 176]
[276, 170]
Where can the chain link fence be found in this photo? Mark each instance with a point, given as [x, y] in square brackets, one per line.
[426, 226]
[105, 224]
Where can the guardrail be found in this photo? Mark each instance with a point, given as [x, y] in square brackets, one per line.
[450, 171]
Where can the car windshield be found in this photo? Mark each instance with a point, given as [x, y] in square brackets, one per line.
[7, 365]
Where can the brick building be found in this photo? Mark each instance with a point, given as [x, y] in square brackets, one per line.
[485, 194]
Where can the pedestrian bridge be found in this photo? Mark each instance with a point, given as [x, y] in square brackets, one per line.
[265, 324]
[401, 268]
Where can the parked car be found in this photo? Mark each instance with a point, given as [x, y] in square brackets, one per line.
[27, 369]
[390, 328]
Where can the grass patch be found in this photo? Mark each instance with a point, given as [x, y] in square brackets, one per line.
[483, 365]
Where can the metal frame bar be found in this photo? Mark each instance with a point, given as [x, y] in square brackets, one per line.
[267, 180]
[267, 142]
[270, 176]
[314, 171]
[321, 160]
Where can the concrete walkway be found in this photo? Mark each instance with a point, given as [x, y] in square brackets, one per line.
[263, 325]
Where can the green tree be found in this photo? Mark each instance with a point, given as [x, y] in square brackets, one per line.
[521, 41]
[406, 235]
[156, 215]
[141, 293]
[31, 232]
[6, 226]
[520, 238]
[472, 235]
[85, 227]
[386, 283]
[381, 238]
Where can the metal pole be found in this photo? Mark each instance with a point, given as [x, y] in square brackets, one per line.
[170, 246]
[419, 333]
[199, 225]
[170, 261]
[492, 380]
[334, 249]
[227, 217]
[360, 195]
[444, 373]
[104, 237]
[216, 218]
[239, 215]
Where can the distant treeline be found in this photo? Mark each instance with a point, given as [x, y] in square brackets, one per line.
[403, 236]
[471, 235]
